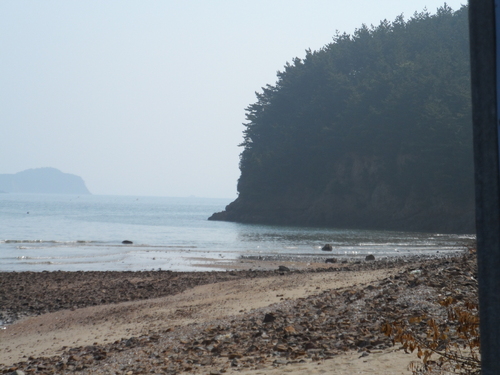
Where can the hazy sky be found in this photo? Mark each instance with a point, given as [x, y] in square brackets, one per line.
[148, 97]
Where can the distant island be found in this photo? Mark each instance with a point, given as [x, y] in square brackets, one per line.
[42, 181]
[373, 131]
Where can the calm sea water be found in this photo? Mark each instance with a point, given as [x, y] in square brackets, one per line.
[67, 232]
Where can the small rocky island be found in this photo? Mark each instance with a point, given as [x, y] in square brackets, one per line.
[42, 181]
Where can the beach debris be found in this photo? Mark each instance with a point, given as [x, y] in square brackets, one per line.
[370, 257]
[331, 260]
[283, 269]
[127, 242]
[327, 247]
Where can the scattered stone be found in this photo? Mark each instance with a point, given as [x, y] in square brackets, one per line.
[362, 343]
[331, 260]
[309, 346]
[327, 247]
[84, 289]
[312, 328]
[370, 257]
[269, 318]
[280, 362]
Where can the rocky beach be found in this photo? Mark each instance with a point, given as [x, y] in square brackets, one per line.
[258, 318]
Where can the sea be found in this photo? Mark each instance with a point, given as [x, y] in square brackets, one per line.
[49, 232]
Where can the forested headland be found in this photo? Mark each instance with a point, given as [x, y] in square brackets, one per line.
[373, 131]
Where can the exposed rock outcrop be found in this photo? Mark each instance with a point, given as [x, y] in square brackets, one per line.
[363, 195]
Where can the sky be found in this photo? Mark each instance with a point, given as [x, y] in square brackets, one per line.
[148, 98]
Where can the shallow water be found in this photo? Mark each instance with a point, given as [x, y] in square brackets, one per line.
[65, 232]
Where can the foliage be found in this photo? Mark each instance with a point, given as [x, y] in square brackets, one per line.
[397, 94]
[455, 341]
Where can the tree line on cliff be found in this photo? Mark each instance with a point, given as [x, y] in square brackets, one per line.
[374, 130]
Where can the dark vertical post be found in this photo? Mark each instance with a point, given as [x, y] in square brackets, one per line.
[483, 39]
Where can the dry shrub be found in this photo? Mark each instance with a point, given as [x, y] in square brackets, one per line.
[449, 346]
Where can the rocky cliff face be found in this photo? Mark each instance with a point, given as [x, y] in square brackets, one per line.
[43, 181]
[365, 193]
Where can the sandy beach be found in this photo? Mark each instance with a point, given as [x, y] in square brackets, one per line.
[313, 318]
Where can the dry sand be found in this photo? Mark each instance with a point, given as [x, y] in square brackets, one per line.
[45, 335]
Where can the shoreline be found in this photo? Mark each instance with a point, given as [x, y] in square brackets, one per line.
[170, 312]
[19, 301]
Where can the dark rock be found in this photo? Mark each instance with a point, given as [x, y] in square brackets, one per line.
[219, 216]
[331, 260]
[127, 242]
[327, 247]
[362, 343]
[370, 257]
[309, 346]
[283, 269]
[269, 318]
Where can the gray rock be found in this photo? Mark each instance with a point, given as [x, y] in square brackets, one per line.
[283, 269]
[327, 247]
[280, 362]
[370, 257]
[127, 242]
